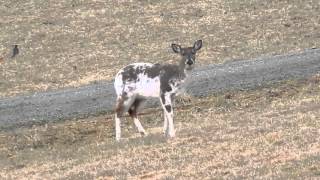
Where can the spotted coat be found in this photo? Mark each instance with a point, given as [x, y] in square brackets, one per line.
[138, 81]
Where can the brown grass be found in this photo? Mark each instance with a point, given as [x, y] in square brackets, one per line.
[272, 132]
[70, 43]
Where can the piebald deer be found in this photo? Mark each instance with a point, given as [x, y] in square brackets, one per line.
[138, 81]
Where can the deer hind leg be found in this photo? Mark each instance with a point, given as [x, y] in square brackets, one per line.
[122, 105]
[133, 111]
[118, 114]
[166, 102]
[165, 122]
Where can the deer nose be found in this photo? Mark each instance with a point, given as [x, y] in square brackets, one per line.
[189, 62]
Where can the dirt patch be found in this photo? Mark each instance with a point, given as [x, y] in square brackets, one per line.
[270, 132]
[71, 43]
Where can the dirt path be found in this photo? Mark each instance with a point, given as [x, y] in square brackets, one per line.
[99, 98]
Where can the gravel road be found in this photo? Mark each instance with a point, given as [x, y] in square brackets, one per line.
[97, 98]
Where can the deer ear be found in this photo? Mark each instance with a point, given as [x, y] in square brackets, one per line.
[197, 45]
[176, 48]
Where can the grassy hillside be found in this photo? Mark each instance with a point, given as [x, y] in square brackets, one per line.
[69, 43]
[269, 132]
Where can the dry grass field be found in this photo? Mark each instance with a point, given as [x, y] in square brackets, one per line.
[68, 43]
[271, 132]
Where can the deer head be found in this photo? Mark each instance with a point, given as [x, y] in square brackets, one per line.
[188, 54]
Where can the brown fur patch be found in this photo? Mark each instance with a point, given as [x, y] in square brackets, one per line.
[153, 71]
[130, 73]
[168, 73]
[133, 110]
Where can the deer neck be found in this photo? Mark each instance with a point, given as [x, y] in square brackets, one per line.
[183, 69]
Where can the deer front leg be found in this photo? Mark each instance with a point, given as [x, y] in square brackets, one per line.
[166, 103]
[165, 122]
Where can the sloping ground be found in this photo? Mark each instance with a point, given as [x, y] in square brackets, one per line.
[267, 133]
[100, 98]
[68, 43]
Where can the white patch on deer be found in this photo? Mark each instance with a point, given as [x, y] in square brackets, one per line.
[144, 86]
[148, 87]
